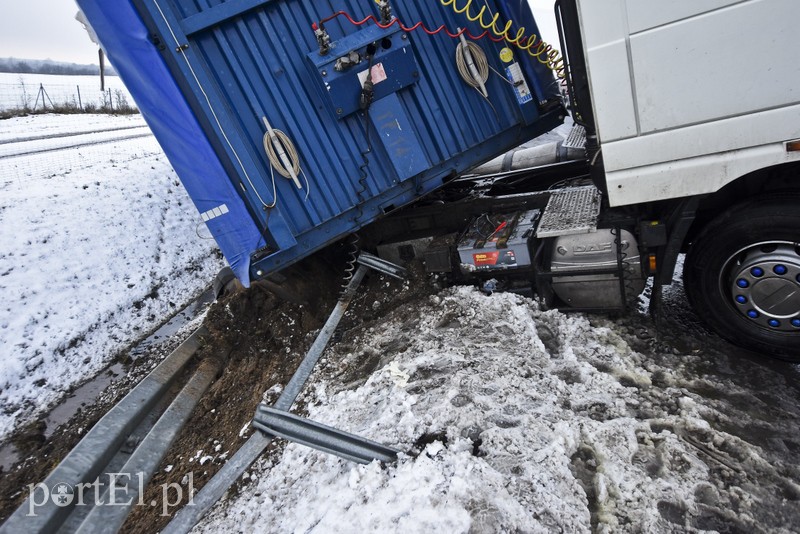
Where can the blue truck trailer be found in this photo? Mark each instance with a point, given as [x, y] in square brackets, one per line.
[292, 123]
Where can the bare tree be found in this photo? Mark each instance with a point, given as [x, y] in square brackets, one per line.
[24, 96]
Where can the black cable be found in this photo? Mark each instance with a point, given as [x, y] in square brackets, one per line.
[365, 102]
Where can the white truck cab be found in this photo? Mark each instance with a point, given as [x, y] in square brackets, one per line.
[692, 112]
[689, 96]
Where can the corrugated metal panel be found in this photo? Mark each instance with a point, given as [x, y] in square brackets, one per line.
[241, 60]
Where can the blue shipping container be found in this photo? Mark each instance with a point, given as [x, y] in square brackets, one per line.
[209, 75]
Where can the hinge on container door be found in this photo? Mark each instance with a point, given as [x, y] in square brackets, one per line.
[182, 47]
[156, 40]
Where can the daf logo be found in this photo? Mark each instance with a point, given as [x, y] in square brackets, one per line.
[597, 248]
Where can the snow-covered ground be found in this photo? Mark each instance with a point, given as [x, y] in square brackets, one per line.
[533, 421]
[93, 255]
[52, 125]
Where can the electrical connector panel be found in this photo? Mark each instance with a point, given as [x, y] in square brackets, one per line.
[341, 72]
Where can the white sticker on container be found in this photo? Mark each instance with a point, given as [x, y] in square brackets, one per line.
[517, 79]
[378, 75]
[214, 213]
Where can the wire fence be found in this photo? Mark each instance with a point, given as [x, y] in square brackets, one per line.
[32, 92]
[36, 162]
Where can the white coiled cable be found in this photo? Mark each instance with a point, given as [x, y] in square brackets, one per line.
[283, 157]
[473, 66]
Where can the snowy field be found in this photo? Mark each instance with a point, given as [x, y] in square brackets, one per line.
[21, 90]
[99, 245]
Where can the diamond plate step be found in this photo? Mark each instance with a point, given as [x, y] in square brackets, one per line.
[570, 211]
[576, 137]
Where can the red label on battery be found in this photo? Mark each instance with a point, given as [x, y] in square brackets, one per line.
[485, 258]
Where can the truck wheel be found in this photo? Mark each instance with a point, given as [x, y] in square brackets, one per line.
[742, 276]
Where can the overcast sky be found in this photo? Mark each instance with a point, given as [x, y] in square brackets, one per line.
[47, 29]
[44, 29]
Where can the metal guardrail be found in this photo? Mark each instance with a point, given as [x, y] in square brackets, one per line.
[60, 135]
[150, 452]
[81, 144]
[276, 421]
[107, 446]
[84, 464]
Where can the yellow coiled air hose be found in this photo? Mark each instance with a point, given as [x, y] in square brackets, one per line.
[532, 44]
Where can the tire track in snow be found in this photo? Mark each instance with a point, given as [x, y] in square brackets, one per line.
[67, 134]
[80, 144]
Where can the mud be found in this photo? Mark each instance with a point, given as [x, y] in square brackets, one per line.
[267, 337]
[264, 337]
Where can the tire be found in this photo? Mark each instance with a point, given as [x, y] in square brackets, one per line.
[742, 276]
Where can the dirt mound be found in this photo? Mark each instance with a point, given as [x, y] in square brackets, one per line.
[264, 337]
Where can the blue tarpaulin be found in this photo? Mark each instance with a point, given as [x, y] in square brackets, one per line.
[126, 42]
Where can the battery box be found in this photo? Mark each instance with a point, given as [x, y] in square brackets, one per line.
[498, 242]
